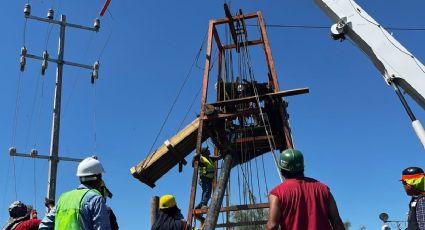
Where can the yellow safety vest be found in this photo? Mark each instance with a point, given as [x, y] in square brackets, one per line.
[208, 169]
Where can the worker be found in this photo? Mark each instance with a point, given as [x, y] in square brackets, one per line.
[169, 215]
[413, 179]
[299, 202]
[21, 217]
[206, 175]
[84, 207]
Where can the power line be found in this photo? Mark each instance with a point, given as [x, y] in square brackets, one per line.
[328, 27]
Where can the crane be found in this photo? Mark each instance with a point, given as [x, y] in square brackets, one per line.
[399, 68]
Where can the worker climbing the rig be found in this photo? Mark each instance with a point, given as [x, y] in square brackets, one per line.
[413, 179]
[21, 217]
[206, 175]
[169, 215]
[84, 207]
[299, 202]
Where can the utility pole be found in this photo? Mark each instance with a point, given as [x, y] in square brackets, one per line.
[53, 157]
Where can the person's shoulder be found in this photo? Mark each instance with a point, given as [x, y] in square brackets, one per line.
[28, 224]
[316, 182]
[93, 196]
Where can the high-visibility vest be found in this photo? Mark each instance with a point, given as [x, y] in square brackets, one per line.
[68, 209]
[208, 169]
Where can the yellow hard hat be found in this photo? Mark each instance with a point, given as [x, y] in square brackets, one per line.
[167, 201]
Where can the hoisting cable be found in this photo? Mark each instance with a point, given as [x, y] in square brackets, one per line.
[175, 100]
[270, 139]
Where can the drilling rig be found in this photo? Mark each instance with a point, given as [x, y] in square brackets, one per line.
[246, 120]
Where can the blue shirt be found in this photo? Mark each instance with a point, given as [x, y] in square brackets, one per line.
[93, 213]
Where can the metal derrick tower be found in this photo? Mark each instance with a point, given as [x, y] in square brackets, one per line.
[247, 119]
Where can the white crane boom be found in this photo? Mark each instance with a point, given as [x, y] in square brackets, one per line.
[396, 64]
[394, 61]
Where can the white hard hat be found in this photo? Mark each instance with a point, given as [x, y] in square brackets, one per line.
[90, 167]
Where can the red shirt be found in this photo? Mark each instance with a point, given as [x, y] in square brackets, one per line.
[304, 203]
[28, 225]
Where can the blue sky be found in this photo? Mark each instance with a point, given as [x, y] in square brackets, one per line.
[354, 133]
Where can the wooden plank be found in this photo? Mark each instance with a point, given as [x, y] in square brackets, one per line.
[285, 93]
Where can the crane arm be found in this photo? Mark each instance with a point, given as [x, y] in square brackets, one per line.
[395, 63]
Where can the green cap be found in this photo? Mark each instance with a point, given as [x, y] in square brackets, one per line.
[291, 160]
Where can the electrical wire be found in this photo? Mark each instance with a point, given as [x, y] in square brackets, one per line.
[6, 186]
[107, 40]
[328, 27]
[35, 183]
[94, 119]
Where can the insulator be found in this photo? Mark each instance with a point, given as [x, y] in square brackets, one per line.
[95, 72]
[50, 14]
[27, 9]
[45, 62]
[96, 24]
[12, 151]
[24, 51]
[34, 152]
[45, 55]
[43, 67]
[22, 62]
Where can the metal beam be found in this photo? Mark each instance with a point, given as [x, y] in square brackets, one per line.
[13, 153]
[231, 26]
[62, 23]
[60, 61]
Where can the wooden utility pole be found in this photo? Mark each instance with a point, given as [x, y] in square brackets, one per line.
[154, 209]
[53, 157]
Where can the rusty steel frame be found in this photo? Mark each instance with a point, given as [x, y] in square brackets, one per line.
[213, 34]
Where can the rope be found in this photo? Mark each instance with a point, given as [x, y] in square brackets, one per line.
[149, 158]
[190, 108]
